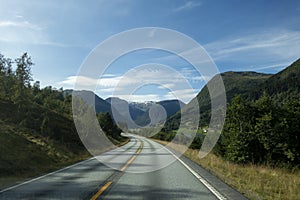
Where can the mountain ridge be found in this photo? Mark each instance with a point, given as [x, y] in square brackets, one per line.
[234, 82]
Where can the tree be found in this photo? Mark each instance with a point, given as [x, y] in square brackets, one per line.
[36, 87]
[6, 77]
[265, 122]
[239, 143]
[23, 79]
[23, 71]
[291, 143]
[108, 126]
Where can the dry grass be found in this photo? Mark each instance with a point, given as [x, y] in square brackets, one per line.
[255, 182]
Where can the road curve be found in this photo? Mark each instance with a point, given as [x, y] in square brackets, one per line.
[133, 171]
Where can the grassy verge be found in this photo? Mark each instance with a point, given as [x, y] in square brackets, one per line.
[10, 180]
[25, 155]
[255, 182]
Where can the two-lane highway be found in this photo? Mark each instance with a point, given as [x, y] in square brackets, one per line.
[133, 171]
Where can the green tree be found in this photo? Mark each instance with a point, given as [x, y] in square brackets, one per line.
[239, 143]
[291, 138]
[108, 126]
[23, 79]
[23, 71]
[7, 79]
[265, 122]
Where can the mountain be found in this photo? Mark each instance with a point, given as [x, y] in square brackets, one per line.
[144, 106]
[282, 86]
[234, 82]
[171, 107]
[122, 106]
[100, 104]
[139, 112]
[125, 113]
[133, 113]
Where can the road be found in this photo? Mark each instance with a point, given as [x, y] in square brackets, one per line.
[140, 169]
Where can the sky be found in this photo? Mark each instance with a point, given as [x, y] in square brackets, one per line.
[262, 36]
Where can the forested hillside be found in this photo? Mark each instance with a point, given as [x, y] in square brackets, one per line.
[36, 125]
[262, 118]
[282, 86]
[234, 82]
[263, 126]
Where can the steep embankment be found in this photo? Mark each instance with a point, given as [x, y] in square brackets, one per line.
[40, 143]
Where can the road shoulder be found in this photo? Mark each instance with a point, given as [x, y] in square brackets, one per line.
[226, 190]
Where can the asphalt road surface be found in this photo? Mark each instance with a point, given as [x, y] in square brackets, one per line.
[141, 169]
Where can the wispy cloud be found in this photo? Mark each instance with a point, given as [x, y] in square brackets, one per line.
[135, 77]
[124, 86]
[20, 32]
[185, 95]
[19, 24]
[263, 67]
[141, 98]
[187, 6]
[270, 48]
[193, 75]
[25, 32]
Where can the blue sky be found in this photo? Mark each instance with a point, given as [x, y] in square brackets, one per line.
[261, 36]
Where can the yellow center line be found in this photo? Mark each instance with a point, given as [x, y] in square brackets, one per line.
[132, 158]
[123, 169]
[101, 190]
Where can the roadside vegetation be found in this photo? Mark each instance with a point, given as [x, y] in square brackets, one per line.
[254, 181]
[258, 152]
[37, 132]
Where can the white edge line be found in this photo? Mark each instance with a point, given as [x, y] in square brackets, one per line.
[200, 178]
[40, 177]
[43, 176]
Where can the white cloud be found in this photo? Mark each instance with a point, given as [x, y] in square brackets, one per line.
[184, 95]
[277, 66]
[267, 47]
[187, 6]
[108, 75]
[141, 98]
[20, 31]
[19, 16]
[19, 24]
[81, 81]
[135, 77]
[193, 75]
[127, 84]
[106, 90]
[25, 32]
[166, 86]
[109, 81]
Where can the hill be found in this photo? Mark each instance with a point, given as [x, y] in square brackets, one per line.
[126, 109]
[282, 86]
[37, 132]
[266, 122]
[44, 142]
[171, 106]
[234, 82]
[101, 105]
